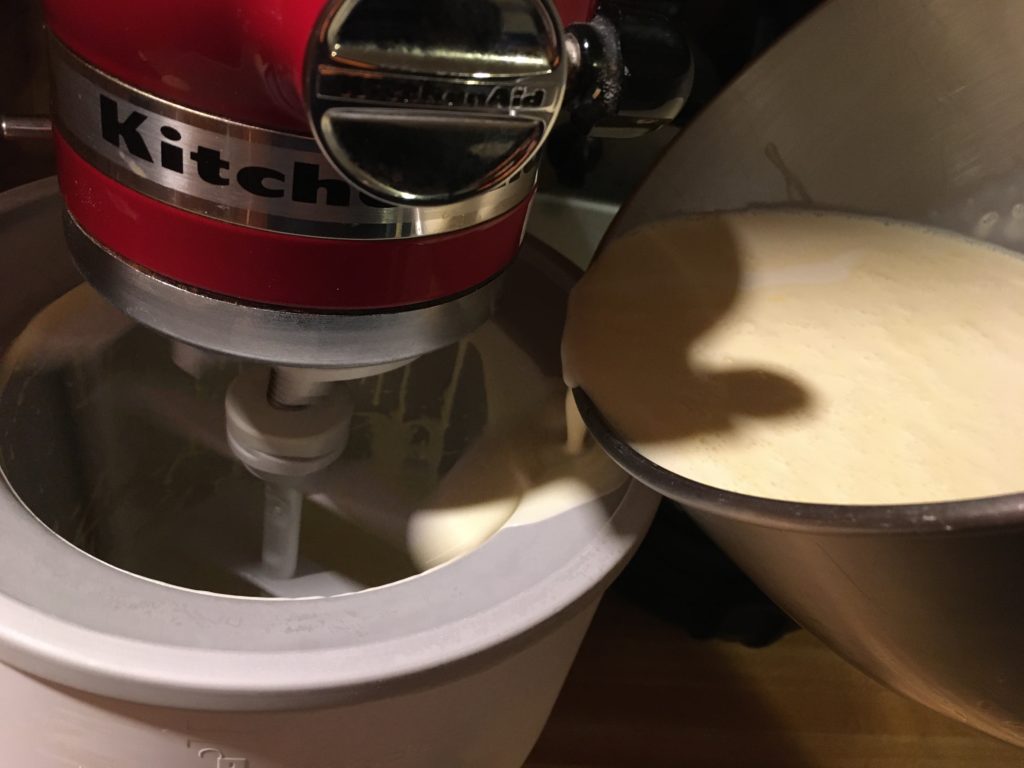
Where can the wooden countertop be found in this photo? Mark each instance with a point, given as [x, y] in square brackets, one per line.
[643, 694]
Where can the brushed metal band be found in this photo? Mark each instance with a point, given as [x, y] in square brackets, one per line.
[234, 172]
[276, 335]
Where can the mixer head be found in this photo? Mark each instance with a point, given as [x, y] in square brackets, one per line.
[315, 185]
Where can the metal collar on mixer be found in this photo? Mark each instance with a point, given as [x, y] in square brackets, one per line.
[278, 335]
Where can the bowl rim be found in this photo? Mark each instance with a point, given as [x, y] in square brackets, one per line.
[973, 514]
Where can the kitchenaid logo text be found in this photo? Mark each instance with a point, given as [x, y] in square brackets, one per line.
[302, 182]
[241, 174]
[427, 93]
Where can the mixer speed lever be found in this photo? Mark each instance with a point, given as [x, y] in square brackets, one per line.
[17, 127]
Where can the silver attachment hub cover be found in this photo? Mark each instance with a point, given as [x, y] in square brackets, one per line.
[426, 102]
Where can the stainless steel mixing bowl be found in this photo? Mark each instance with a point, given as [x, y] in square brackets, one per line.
[912, 111]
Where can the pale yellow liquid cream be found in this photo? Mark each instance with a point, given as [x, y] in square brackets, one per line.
[809, 357]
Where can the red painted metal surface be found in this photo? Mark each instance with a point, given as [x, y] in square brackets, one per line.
[240, 59]
[573, 11]
[269, 268]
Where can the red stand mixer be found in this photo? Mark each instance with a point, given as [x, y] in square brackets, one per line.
[311, 185]
[333, 190]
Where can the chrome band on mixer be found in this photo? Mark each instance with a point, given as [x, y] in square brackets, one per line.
[234, 172]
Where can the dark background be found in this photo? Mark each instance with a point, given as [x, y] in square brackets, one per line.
[23, 89]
